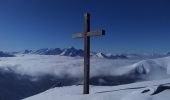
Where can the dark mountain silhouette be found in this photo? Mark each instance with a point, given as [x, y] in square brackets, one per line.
[168, 53]
[3, 54]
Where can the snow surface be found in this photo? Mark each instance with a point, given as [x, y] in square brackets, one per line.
[122, 92]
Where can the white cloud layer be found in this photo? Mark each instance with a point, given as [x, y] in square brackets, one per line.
[61, 66]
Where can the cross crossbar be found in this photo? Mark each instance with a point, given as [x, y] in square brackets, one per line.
[96, 33]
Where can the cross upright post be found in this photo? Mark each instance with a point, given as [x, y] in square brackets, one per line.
[86, 35]
[86, 53]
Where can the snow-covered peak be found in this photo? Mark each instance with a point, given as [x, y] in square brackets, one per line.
[72, 52]
[27, 51]
[110, 56]
[100, 55]
[135, 91]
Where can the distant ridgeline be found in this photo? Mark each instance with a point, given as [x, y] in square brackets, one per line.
[4, 54]
[71, 52]
[168, 53]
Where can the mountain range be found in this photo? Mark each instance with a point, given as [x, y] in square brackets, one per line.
[5, 54]
[73, 52]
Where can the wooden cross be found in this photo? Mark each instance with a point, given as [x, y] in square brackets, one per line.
[86, 35]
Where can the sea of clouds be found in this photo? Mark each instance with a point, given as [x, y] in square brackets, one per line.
[62, 66]
[38, 65]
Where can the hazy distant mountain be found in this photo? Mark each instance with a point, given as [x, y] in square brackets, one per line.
[3, 54]
[71, 52]
[46, 51]
[168, 53]
[145, 56]
[110, 56]
[27, 51]
[100, 55]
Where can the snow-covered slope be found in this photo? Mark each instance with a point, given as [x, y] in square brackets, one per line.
[137, 91]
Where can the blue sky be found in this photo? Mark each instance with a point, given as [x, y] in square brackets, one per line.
[132, 26]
